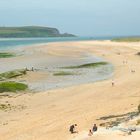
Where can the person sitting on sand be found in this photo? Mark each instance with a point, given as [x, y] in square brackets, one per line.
[94, 128]
[133, 71]
[72, 129]
[90, 133]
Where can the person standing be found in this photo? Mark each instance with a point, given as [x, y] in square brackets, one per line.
[94, 129]
[113, 83]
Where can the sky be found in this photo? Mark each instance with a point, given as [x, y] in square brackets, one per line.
[80, 17]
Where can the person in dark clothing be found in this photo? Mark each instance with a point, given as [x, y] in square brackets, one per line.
[72, 128]
[94, 128]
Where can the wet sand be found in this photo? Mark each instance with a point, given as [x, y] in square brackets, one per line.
[48, 114]
[48, 60]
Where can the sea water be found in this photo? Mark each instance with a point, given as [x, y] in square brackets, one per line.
[12, 43]
[52, 82]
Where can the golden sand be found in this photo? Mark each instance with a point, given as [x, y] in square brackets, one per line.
[47, 115]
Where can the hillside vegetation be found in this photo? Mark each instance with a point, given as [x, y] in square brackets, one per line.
[31, 31]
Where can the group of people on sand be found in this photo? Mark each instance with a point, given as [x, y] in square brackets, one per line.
[94, 129]
[73, 129]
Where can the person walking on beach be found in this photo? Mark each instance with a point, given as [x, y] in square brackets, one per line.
[95, 128]
[113, 83]
[73, 129]
[32, 69]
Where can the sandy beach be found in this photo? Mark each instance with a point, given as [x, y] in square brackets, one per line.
[49, 64]
[47, 115]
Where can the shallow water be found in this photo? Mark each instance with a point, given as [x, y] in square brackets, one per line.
[52, 64]
[8, 44]
[12, 43]
[80, 75]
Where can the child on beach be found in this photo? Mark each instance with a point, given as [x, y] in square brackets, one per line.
[90, 133]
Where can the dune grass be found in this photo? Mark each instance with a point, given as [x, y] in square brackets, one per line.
[127, 39]
[12, 87]
[89, 65]
[63, 73]
[6, 55]
[12, 74]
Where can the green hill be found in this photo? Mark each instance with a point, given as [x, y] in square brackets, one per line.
[31, 31]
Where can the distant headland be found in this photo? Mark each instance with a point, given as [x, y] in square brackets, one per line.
[31, 31]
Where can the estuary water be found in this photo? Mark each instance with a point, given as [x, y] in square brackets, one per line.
[44, 78]
[12, 43]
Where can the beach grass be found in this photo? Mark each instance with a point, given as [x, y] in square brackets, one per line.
[88, 65]
[6, 55]
[12, 74]
[12, 87]
[63, 73]
[127, 39]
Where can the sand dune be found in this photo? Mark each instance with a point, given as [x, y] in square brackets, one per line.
[47, 115]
